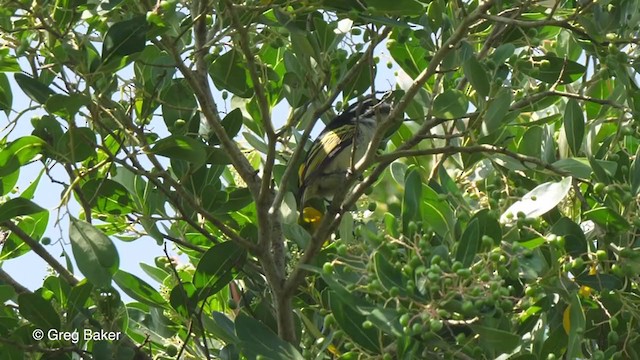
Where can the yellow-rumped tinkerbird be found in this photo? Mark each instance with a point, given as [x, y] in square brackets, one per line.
[337, 150]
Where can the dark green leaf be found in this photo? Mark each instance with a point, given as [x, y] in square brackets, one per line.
[218, 266]
[181, 147]
[6, 96]
[350, 322]
[95, 254]
[411, 198]
[8, 63]
[600, 282]
[138, 289]
[386, 320]
[549, 68]
[450, 104]
[436, 213]
[76, 145]
[107, 196]
[634, 173]
[184, 298]
[125, 38]
[18, 207]
[578, 167]
[78, 298]
[495, 340]
[497, 110]
[577, 321]
[607, 218]
[469, 244]
[574, 125]
[33, 88]
[66, 106]
[388, 275]
[7, 293]
[221, 327]
[258, 340]
[39, 311]
[179, 107]
[396, 8]
[575, 240]
[232, 123]
[476, 73]
[228, 72]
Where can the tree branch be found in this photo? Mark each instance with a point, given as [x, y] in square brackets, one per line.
[200, 84]
[41, 251]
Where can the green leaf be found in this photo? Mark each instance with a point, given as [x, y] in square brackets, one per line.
[578, 167]
[574, 125]
[221, 327]
[96, 256]
[577, 321]
[232, 123]
[396, 8]
[411, 198]
[476, 73]
[229, 72]
[33, 88]
[538, 201]
[217, 267]
[138, 289]
[258, 340]
[407, 52]
[76, 145]
[184, 298]
[78, 298]
[386, 320]
[6, 96]
[497, 110]
[436, 213]
[607, 218]
[34, 225]
[108, 196]
[155, 273]
[575, 241]
[124, 38]
[387, 274]
[181, 147]
[8, 63]
[600, 282]
[435, 14]
[179, 103]
[469, 244]
[496, 341]
[18, 207]
[634, 173]
[7, 293]
[350, 322]
[18, 153]
[450, 104]
[66, 106]
[38, 311]
[549, 68]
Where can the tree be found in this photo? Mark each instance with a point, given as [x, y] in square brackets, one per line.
[499, 217]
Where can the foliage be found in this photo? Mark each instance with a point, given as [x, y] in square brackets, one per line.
[500, 217]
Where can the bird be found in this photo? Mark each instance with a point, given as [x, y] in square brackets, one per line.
[332, 155]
